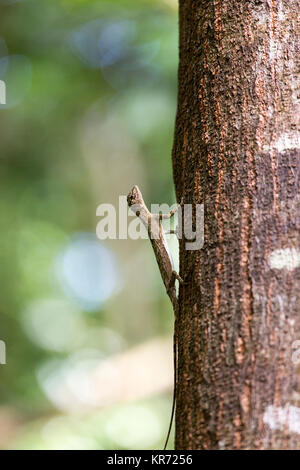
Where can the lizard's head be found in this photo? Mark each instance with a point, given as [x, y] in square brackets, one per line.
[135, 197]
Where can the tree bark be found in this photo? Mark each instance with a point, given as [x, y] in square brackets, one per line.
[236, 150]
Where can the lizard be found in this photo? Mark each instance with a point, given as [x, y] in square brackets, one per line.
[156, 233]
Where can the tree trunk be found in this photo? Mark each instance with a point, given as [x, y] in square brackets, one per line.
[236, 150]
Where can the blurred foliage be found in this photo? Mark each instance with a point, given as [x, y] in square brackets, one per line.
[91, 98]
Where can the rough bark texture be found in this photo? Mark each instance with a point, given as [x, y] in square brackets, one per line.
[236, 150]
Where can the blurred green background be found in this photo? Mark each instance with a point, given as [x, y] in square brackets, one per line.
[91, 100]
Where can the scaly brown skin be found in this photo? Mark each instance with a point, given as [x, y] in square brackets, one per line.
[152, 222]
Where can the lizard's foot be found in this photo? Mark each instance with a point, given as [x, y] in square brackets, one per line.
[179, 278]
[172, 212]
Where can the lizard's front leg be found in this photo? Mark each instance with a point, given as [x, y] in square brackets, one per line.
[175, 276]
[171, 213]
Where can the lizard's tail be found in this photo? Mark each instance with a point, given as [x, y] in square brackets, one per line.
[174, 388]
